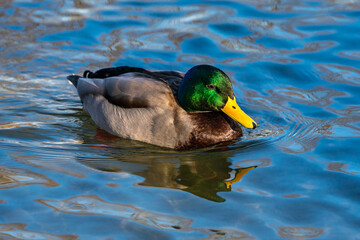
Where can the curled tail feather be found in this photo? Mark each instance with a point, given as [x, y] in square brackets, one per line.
[87, 74]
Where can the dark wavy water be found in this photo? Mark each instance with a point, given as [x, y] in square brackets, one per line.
[295, 66]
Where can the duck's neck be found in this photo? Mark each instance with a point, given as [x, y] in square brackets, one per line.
[184, 98]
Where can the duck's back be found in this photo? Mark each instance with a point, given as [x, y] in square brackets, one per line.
[171, 78]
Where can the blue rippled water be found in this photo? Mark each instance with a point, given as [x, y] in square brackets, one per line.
[295, 66]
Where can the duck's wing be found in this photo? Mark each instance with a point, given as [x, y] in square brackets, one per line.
[128, 90]
[171, 78]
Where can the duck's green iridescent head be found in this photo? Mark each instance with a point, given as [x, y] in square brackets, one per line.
[207, 88]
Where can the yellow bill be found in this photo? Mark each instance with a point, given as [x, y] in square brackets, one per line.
[234, 111]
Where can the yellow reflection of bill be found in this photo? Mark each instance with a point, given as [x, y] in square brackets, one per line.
[238, 175]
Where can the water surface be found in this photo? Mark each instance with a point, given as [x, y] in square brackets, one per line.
[295, 67]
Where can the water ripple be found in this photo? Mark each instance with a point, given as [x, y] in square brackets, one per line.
[340, 167]
[18, 231]
[299, 232]
[17, 177]
[340, 74]
[301, 132]
[350, 54]
[93, 205]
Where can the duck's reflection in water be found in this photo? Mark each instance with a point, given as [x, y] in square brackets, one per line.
[203, 173]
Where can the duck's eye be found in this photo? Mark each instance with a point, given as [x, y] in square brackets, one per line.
[211, 86]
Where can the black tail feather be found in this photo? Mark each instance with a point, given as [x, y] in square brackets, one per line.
[73, 79]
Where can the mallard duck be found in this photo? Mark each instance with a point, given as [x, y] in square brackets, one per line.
[164, 108]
